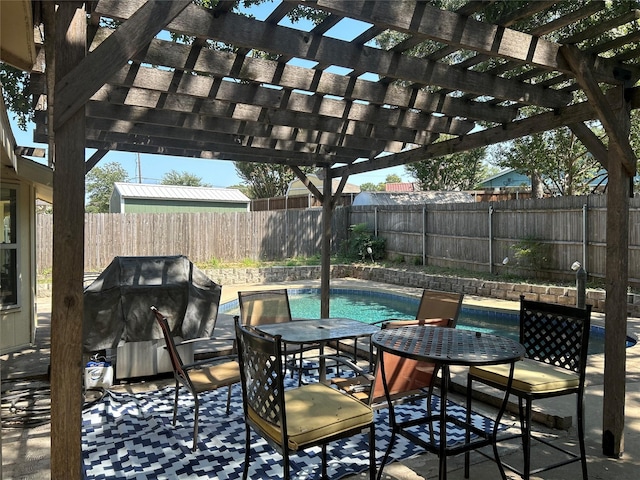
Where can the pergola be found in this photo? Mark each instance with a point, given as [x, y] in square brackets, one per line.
[250, 89]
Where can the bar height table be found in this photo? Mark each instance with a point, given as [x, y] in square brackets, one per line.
[447, 347]
[320, 331]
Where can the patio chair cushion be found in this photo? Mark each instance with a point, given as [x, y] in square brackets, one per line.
[314, 412]
[214, 376]
[530, 376]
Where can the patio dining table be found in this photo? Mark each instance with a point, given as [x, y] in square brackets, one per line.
[320, 331]
[447, 347]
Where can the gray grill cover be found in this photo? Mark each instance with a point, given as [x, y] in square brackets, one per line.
[116, 304]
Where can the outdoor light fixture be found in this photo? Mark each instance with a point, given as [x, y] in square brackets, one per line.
[370, 252]
[505, 260]
[575, 266]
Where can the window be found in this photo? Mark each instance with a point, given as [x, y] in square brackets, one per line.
[8, 247]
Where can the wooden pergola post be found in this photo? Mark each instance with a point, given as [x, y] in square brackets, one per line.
[325, 272]
[619, 190]
[68, 256]
[615, 115]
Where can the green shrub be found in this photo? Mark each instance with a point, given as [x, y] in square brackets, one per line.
[249, 263]
[360, 239]
[213, 263]
[532, 254]
[397, 258]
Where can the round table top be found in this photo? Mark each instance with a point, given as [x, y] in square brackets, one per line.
[451, 346]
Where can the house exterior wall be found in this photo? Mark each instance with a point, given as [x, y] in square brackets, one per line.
[17, 322]
[506, 180]
[134, 205]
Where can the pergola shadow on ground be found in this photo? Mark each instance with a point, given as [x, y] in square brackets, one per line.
[242, 88]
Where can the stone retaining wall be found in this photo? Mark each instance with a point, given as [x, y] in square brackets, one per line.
[412, 278]
[415, 278]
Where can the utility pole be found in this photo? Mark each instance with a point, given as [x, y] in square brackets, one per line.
[139, 167]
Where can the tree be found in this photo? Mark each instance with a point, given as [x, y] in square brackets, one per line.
[371, 187]
[380, 187]
[266, 180]
[243, 188]
[173, 177]
[99, 184]
[393, 178]
[458, 171]
[15, 91]
[555, 160]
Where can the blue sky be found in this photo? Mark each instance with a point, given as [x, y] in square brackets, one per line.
[218, 173]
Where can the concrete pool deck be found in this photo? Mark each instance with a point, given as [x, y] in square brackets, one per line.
[26, 451]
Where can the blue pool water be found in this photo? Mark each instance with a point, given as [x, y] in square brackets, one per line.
[371, 306]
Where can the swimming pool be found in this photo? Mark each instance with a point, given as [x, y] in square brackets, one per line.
[371, 306]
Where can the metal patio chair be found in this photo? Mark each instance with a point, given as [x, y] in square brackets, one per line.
[271, 306]
[407, 380]
[298, 418]
[198, 377]
[437, 304]
[556, 339]
[434, 305]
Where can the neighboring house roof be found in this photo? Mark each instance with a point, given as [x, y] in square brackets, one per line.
[296, 187]
[400, 187]
[506, 178]
[179, 192]
[411, 198]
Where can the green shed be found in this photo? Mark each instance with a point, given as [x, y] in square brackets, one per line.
[149, 198]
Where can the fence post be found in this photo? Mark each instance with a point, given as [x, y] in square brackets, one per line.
[490, 238]
[375, 221]
[585, 239]
[424, 235]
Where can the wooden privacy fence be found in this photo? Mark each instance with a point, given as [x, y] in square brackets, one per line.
[470, 236]
[534, 237]
[200, 236]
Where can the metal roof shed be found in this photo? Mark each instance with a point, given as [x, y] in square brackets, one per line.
[146, 198]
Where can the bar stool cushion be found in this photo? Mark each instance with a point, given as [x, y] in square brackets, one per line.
[314, 412]
[529, 376]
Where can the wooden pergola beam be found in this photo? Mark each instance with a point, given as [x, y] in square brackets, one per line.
[94, 159]
[580, 112]
[261, 147]
[149, 84]
[73, 91]
[618, 138]
[307, 183]
[426, 22]
[242, 31]
[393, 160]
[217, 118]
[592, 142]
